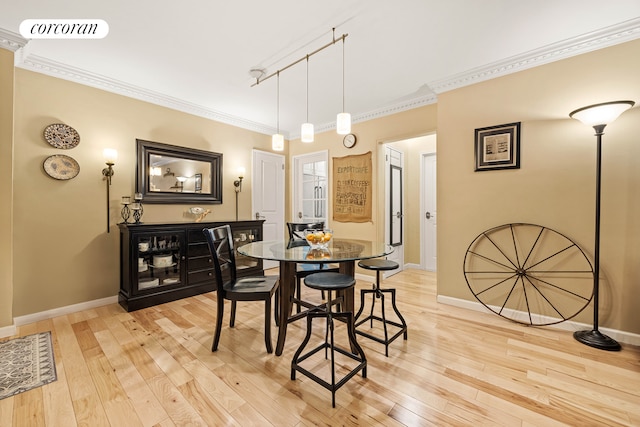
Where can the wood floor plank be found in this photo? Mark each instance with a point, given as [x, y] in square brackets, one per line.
[147, 407]
[174, 402]
[154, 367]
[56, 398]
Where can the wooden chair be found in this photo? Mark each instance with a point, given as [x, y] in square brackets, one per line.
[235, 289]
[297, 238]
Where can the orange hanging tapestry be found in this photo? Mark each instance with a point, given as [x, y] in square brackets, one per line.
[352, 177]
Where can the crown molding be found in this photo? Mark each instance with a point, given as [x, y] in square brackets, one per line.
[609, 36]
[398, 107]
[11, 41]
[66, 72]
[606, 37]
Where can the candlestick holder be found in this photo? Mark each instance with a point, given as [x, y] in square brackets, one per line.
[138, 210]
[125, 212]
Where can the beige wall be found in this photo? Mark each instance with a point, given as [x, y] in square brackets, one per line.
[555, 186]
[6, 187]
[63, 255]
[62, 252]
[371, 135]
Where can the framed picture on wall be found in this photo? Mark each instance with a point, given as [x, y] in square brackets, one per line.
[497, 147]
[198, 178]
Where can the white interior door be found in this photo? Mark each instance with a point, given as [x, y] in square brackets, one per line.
[394, 195]
[429, 225]
[310, 187]
[267, 195]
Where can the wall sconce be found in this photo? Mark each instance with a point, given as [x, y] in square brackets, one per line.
[110, 157]
[238, 186]
[598, 116]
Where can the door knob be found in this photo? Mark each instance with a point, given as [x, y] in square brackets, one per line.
[258, 216]
[399, 215]
[428, 215]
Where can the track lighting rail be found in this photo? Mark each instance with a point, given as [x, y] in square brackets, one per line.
[306, 57]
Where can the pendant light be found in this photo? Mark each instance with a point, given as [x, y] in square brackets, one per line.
[343, 120]
[306, 130]
[277, 140]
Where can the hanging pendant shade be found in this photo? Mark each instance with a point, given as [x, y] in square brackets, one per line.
[343, 120]
[343, 123]
[277, 142]
[306, 132]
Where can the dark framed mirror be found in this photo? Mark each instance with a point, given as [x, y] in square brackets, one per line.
[173, 175]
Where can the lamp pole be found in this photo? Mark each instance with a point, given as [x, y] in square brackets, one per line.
[598, 116]
[595, 338]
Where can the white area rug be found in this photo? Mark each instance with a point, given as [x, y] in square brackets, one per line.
[26, 363]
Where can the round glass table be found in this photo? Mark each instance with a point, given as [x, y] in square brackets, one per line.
[344, 252]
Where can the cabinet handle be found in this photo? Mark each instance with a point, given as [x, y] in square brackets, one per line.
[183, 257]
[210, 260]
[210, 273]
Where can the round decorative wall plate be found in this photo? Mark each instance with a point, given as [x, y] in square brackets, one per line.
[62, 136]
[61, 167]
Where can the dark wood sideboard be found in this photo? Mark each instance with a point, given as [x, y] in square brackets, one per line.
[169, 261]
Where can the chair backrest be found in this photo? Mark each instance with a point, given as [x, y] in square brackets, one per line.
[220, 241]
[296, 229]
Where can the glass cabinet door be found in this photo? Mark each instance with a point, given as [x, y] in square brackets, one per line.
[242, 236]
[159, 260]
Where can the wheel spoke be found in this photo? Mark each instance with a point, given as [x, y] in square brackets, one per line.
[492, 260]
[551, 256]
[533, 246]
[508, 296]
[496, 284]
[557, 287]
[515, 247]
[547, 299]
[501, 251]
[526, 299]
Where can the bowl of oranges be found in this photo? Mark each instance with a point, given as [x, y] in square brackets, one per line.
[318, 239]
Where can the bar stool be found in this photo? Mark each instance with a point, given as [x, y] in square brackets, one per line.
[329, 282]
[379, 265]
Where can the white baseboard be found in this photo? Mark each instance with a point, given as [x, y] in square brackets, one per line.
[7, 331]
[620, 336]
[61, 311]
[413, 266]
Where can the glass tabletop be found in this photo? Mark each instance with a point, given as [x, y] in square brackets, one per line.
[338, 250]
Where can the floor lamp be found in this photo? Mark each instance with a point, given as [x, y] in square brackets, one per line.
[598, 116]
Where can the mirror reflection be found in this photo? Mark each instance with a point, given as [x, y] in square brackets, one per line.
[172, 174]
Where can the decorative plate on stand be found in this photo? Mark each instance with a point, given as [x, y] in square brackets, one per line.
[61, 167]
[59, 135]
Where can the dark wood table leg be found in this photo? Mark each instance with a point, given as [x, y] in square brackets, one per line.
[349, 268]
[287, 285]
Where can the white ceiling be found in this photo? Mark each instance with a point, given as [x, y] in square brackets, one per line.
[195, 55]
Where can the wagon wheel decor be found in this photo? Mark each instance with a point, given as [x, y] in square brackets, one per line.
[529, 274]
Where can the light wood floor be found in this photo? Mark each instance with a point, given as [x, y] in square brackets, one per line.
[154, 367]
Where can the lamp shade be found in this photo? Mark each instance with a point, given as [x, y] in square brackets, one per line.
[277, 142]
[306, 132]
[110, 155]
[601, 114]
[343, 123]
